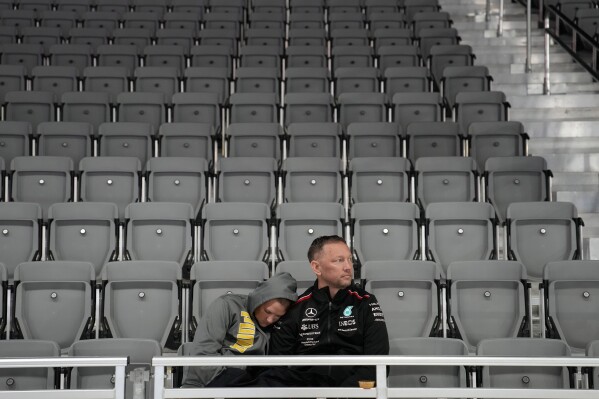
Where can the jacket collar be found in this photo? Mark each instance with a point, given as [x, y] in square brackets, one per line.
[323, 294]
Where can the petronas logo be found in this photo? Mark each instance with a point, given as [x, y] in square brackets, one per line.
[347, 311]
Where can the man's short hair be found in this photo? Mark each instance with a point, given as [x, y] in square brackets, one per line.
[319, 243]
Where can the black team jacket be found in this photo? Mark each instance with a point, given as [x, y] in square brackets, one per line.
[351, 323]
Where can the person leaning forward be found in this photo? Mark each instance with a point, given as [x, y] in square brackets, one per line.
[238, 325]
[333, 317]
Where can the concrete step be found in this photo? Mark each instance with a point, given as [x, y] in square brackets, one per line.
[537, 77]
[502, 41]
[574, 181]
[561, 128]
[514, 89]
[572, 162]
[558, 101]
[492, 33]
[519, 58]
[539, 68]
[585, 201]
[563, 145]
[557, 114]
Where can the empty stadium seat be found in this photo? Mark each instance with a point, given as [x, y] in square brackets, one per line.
[15, 140]
[21, 237]
[379, 179]
[254, 139]
[300, 270]
[433, 139]
[312, 179]
[243, 179]
[65, 139]
[23, 379]
[445, 179]
[182, 139]
[501, 308]
[314, 139]
[496, 139]
[374, 139]
[126, 139]
[88, 107]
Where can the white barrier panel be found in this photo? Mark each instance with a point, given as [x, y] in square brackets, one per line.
[119, 363]
[381, 391]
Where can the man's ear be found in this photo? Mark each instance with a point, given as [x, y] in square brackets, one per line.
[315, 267]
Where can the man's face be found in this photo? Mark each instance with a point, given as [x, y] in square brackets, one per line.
[270, 312]
[334, 266]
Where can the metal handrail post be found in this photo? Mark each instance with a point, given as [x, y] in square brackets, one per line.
[528, 67]
[488, 10]
[500, 22]
[547, 76]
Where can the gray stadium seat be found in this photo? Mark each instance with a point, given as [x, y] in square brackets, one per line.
[139, 351]
[379, 179]
[362, 107]
[43, 180]
[483, 106]
[65, 139]
[138, 37]
[301, 223]
[254, 108]
[443, 55]
[496, 139]
[92, 37]
[141, 300]
[408, 295]
[27, 55]
[108, 79]
[208, 79]
[15, 140]
[182, 139]
[523, 377]
[140, 20]
[357, 80]
[178, 179]
[157, 79]
[119, 55]
[258, 80]
[427, 376]
[63, 20]
[308, 108]
[385, 231]
[433, 139]
[243, 179]
[515, 179]
[306, 56]
[430, 19]
[175, 37]
[300, 270]
[197, 108]
[417, 107]
[84, 232]
[44, 36]
[54, 301]
[89, 107]
[184, 21]
[429, 37]
[160, 231]
[18, 18]
[110, 179]
[20, 234]
[445, 179]
[312, 179]
[459, 79]
[165, 55]
[307, 80]
[386, 20]
[404, 79]
[314, 139]
[501, 308]
[260, 56]
[397, 56]
[78, 56]
[349, 37]
[12, 78]
[213, 56]
[307, 32]
[460, 231]
[215, 278]
[374, 139]
[235, 231]
[254, 139]
[126, 139]
[393, 37]
[30, 106]
[23, 379]
[142, 107]
[352, 56]
[570, 289]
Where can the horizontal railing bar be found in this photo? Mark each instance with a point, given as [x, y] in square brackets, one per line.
[269, 393]
[60, 394]
[499, 393]
[570, 24]
[375, 360]
[64, 362]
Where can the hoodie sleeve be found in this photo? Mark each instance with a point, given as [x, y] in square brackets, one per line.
[376, 342]
[208, 341]
[283, 338]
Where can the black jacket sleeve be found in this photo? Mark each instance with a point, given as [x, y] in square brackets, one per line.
[283, 338]
[376, 342]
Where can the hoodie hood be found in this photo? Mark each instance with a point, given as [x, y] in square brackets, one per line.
[281, 285]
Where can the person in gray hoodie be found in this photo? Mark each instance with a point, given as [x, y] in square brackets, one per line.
[238, 325]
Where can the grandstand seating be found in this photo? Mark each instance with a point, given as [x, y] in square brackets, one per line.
[178, 150]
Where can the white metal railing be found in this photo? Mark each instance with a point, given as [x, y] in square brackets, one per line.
[381, 391]
[118, 392]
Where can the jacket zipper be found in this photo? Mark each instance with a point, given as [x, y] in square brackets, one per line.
[329, 332]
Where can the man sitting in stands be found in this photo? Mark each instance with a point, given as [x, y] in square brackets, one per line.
[333, 317]
[238, 325]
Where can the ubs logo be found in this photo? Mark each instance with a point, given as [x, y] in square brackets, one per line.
[311, 312]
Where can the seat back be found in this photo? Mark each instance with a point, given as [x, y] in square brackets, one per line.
[255, 139]
[159, 231]
[312, 179]
[54, 301]
[21, 379]
[374, 139]
[495, 139]
[83, 231]
[300, 270]
[301, 223]
[314, 139]
[244, 179]
[542, 232]
[20, 234]
[235, 231]
[141, 300]
[386, 231]
[65, 139]
[445, 179]
[427, 376]
[487, 299]
[523, 377]
[186, 140]
[433, 139]
[460, 231]
[408, 295]
[15, 139]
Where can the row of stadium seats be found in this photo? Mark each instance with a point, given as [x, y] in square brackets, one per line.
[538, 232]
[480, 300]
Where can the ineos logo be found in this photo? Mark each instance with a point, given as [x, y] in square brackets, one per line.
[311, 312]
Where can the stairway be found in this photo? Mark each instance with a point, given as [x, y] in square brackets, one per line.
[563, 126]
